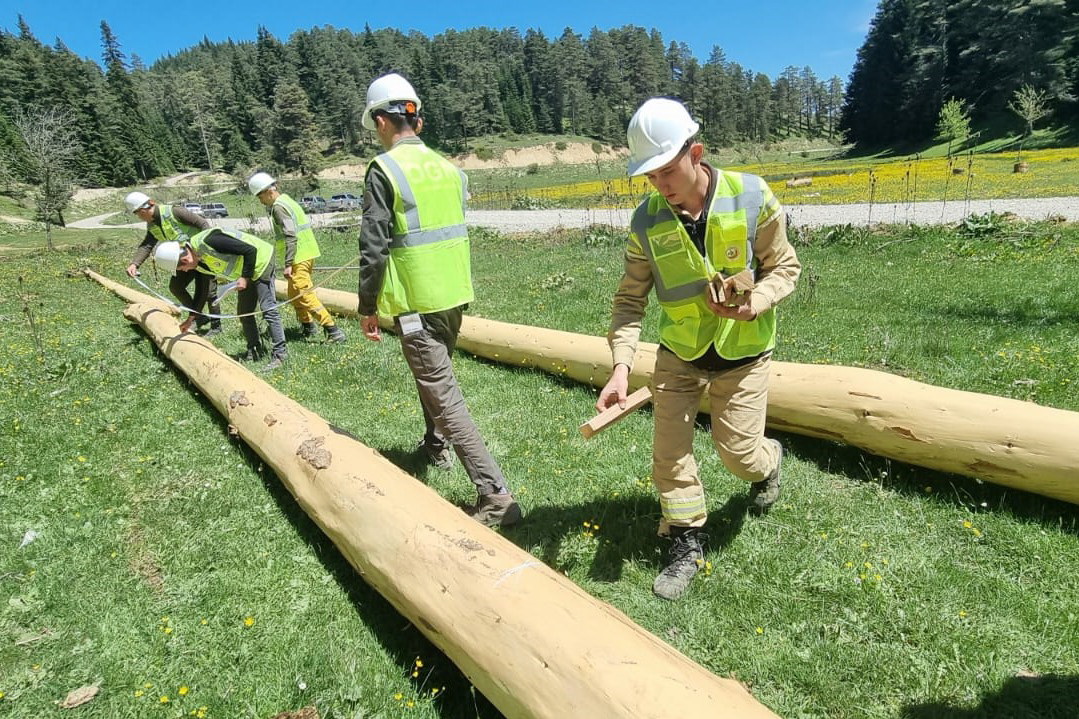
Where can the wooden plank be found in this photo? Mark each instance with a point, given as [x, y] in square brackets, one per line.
[614, 413]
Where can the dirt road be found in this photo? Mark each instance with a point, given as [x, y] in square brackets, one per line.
[921, 213]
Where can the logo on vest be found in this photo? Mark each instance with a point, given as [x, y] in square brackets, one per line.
[732, 253]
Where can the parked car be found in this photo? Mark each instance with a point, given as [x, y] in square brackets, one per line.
[193, 207]
[345, 201]
[313, 203]
[215, 209]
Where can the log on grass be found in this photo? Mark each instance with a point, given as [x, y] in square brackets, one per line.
[532, 641]
[1005, 441]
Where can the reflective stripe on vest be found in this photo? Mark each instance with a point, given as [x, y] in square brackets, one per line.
[227, 265]
[306, 244]
[429, 267]
[171, 229]
[681, 273]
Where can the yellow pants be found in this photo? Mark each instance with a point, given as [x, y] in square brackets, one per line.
[308, 307]
[739, 401]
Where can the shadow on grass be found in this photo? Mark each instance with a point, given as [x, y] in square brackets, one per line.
[972, 494]
[1022, 314]
[1042, 697]
[627, 532]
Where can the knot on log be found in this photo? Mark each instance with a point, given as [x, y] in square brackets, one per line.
[270, 420]
[238, 399]
[311, 451]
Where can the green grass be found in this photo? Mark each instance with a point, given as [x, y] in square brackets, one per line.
[145, 508]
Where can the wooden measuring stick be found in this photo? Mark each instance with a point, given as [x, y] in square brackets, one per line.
[614, 413]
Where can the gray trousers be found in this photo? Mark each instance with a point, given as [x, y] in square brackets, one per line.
[448, 420]
[262, 291]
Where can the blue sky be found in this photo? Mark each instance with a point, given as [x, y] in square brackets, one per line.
[764, 37]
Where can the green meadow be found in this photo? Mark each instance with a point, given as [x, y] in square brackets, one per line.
[145, 551]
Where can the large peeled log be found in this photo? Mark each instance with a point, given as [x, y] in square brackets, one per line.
[1005, 441]
[532, 641]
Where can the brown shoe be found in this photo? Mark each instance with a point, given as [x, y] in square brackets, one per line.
[495, 510]
[765, 493]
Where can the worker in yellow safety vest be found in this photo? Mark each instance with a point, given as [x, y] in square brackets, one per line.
[415, 269]
[174, 223]
[699, 226]
[248, 261]
[296, 249]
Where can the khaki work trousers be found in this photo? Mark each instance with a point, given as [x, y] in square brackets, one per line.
[308, 307]
[739, 401]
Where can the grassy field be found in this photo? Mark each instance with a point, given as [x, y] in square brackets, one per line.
[833, 180]
[144, 551]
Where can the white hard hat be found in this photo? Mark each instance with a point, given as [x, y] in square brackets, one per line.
[167, 256]
[259, 182]
[392, 93]
[656, 134]
[136, 200]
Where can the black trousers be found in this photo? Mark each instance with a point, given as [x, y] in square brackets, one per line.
[178, 287]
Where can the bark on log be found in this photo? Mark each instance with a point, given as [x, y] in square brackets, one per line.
[1005, 441]
[532, 641]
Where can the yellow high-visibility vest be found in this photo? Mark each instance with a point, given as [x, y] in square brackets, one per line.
[171, 229]
[429, 267]
[681, 272]
[226, 265]
[306, 245]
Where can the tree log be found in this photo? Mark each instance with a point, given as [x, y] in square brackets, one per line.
[532, 641]
[1005, 441]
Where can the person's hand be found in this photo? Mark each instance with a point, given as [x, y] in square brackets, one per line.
[288, 271]
[737, 306]
[241, 284]
[132, 270]
[185, 326]
[615, 389]
[369, 324]
[743, 311]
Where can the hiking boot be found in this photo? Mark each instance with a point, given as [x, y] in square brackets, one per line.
[213, 331]
[684, 559]
[274, 363]
[253, 354]
[442, 459]
[308, 330]
[495, 510]
[334, 334]
[763, 494]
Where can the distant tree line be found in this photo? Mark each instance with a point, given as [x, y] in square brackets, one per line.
[988, 55]
[286, 105]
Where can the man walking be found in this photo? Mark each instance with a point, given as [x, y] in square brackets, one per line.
[246, 260]
[700, 225]
[296, 250]
[415, 267]
[166, 223]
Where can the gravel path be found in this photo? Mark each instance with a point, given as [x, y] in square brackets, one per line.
[922, 213]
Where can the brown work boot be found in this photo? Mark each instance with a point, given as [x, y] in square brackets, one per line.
[495, 510]
[685, 558]
[765, 493]
[441, 459]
